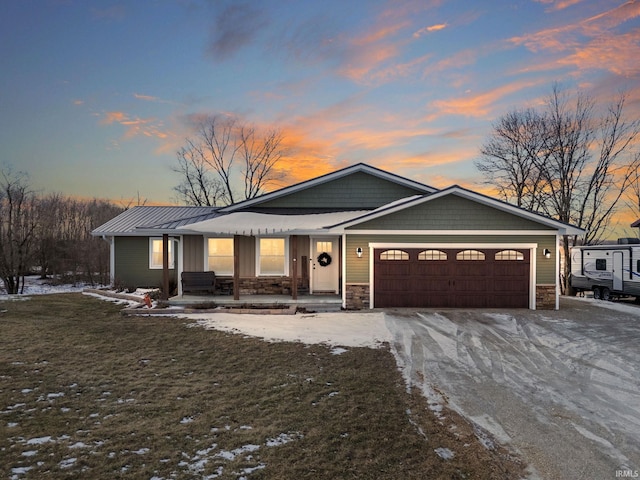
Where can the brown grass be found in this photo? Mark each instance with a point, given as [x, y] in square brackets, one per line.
[150, 398]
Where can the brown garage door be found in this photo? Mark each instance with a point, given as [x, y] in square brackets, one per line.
[411, 277]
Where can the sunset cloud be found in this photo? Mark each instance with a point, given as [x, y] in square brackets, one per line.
[429, 29]
[135, 126]
[476, 105]
[556, 5]
[604, 48]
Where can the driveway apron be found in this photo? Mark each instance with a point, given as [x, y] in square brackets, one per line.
[561, 388]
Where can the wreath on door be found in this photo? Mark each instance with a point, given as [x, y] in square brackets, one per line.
[324, 259]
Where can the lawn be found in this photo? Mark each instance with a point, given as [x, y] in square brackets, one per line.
[88, 393]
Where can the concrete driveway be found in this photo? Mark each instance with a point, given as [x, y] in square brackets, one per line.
[560, 388]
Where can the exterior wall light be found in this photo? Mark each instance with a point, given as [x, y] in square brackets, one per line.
[547, 253]
[359, 252]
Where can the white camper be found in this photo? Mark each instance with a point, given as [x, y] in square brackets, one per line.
[608, 270]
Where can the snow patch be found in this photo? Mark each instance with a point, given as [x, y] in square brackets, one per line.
[444, 453]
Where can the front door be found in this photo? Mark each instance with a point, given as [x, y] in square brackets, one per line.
[325, 264]
[617, 271]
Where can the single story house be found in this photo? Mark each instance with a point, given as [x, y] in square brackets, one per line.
[370, 237]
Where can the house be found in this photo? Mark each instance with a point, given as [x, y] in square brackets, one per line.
[371, 238]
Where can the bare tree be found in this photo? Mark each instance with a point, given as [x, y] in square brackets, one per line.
[511, 156]
[18, 221]
[198, 186]
[224, 156]
[576, 163]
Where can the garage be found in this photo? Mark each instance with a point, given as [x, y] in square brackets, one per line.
[447, 277]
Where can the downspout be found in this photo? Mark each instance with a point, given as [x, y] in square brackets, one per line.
[180, 268]
[112, 258]
[344, 271]
[567, 260]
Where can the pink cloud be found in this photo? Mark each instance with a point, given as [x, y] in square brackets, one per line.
[429, 29]
[135, 126]
[604, 47]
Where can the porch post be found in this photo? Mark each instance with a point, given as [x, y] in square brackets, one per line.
[236, 267]
[165, 266]
[294, 266]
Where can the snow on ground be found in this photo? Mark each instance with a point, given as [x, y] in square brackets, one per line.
[350, 329]
[34, 285]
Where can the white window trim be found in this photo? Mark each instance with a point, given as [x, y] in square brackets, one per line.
[206, 255]
[172, 254]
[286, 258]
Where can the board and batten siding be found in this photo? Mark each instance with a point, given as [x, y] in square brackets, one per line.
[193, 253]
[358, 268]
[353, 192]
[132, 264]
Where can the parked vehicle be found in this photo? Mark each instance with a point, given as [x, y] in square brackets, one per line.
[609, 271]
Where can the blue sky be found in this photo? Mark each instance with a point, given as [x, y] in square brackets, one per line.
[96, 97]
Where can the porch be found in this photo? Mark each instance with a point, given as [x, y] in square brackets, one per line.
[312, 303]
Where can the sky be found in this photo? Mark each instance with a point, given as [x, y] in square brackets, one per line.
[96, 97]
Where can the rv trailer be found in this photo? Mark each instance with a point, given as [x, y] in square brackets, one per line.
[608, 270]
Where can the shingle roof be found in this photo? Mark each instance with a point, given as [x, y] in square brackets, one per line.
[154, 217]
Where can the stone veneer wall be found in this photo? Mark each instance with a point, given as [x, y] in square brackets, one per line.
[271, 286]
[545, 297]
[357, 296]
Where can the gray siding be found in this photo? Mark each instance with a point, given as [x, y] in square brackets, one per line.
[132, 264]
[450, 213]
[358, 191]
[358, 268]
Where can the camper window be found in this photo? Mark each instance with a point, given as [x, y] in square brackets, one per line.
[601, 264]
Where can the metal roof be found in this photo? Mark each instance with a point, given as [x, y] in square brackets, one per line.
[154, 217]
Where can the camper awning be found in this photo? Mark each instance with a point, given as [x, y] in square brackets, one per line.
[251, 223]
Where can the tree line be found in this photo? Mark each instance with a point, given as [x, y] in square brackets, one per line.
[50, 235]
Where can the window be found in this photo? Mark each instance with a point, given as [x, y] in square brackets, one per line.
[155, 253]
[432, 255]
[272, 256]
[324, 246]
[220, 255]
[601, 263]
[469, 255]
[509, 255]
[394, 255]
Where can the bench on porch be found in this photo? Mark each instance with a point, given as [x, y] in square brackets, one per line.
[198, 282]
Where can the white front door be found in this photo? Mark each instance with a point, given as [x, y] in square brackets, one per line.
[325, 264]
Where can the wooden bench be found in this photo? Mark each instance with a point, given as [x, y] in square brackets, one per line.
[198, 282]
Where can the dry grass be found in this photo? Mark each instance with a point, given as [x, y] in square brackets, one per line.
[87, 393]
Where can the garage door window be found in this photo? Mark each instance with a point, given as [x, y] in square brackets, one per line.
[509, 255]
[470, 255]
[394, 255]
[432, 255]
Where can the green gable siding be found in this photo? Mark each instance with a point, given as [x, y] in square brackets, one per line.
[357, 191]
[358, 268]
[132, 264]
[450, 213]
